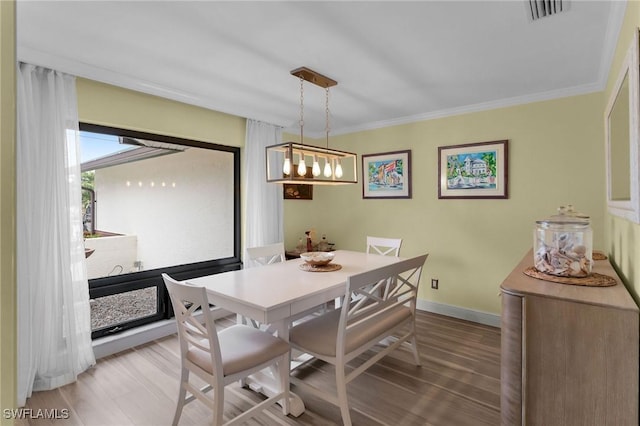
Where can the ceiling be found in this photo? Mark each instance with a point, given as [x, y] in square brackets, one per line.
[395, 62]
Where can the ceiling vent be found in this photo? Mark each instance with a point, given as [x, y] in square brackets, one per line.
[538, 9]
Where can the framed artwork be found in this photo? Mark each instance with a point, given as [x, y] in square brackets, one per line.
[386, 175]
[474, 170]
[298, 191]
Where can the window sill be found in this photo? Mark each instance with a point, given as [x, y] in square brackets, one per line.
[109, 345]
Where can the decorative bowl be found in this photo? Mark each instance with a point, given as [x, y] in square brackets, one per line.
[317, 258]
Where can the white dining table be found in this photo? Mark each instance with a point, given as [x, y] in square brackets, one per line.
[278, 293]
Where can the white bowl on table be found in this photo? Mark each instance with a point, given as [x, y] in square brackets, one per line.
[317, 258]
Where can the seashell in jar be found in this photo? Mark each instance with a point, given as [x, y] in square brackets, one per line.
[585, 266]
[551, 260]
[542, 265]
[575, 268]
[562, 241]
[580, 250]
[559, 262]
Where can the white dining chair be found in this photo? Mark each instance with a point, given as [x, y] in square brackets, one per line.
[262, 256]
[379, 312]
[378, 245]
[265, 255]
[220, 358]
[384, 246]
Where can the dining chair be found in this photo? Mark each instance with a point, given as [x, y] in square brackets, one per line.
[378, 245]
[266, 255]
[341, 335]
[222, 357]
[262, 256]
[384, 246]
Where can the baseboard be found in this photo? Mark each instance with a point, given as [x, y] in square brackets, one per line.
[459, 312]
[109, 345]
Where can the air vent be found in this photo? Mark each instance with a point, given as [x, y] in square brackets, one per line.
[541, 8]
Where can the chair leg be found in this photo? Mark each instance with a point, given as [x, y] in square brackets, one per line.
[184, 379]
[414, 349]
[414, 345]
[218, 404]
[341, 387]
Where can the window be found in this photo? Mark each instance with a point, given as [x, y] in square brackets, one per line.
[153, 204]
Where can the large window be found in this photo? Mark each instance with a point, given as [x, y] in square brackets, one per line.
[153, 204]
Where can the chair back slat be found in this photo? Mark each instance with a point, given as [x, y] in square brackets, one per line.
[384, 246]
[193, 332]
[265, 255]
[370, 305]
[371, 313]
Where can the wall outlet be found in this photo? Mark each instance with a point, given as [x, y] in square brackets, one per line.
[434, 283]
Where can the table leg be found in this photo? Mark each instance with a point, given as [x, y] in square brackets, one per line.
[266, 381]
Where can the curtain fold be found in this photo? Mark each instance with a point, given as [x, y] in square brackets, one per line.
[54, 318]
[263, 201]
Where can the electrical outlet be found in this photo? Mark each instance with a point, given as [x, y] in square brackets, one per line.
[434, 283]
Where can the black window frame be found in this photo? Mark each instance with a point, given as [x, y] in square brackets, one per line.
[106, 286]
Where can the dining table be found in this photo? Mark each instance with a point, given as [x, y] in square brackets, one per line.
[279, 293]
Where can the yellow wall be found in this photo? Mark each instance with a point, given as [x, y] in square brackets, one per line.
[555, 158]
[108, 105]
[7, 209]
[622, 236]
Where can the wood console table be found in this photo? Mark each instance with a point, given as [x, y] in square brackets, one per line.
[569, 353]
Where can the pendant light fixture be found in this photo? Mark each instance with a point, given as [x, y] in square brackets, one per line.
[339, 166]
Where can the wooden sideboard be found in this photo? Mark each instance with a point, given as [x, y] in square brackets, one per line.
[569, 353]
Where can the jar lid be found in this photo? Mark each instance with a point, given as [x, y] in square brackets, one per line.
[566, 216]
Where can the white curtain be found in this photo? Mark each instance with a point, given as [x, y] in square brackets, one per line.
[54, 318]
[263, 200]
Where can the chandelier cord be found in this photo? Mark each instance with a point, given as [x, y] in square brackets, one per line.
[301, 110]
[327, 127]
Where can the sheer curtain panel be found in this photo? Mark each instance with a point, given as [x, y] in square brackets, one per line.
[263, 200]
[54, 318]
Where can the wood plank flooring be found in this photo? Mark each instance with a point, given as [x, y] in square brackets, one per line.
[457, 385]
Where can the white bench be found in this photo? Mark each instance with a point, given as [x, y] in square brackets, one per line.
[384, 305]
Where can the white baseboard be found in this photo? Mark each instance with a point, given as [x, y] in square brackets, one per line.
[459, 312]
[110, 345]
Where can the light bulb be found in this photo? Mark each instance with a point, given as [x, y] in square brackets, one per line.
[315, 170]
[327, 169]
[286, 167]
[302, 167]
[338, 170]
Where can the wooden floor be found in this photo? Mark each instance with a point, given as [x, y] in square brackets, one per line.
[457, 385]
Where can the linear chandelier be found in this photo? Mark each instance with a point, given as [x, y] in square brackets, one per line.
[288, 162]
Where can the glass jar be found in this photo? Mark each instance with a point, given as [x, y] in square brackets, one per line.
[562, 244]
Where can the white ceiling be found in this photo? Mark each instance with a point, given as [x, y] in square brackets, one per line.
[395, 62]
